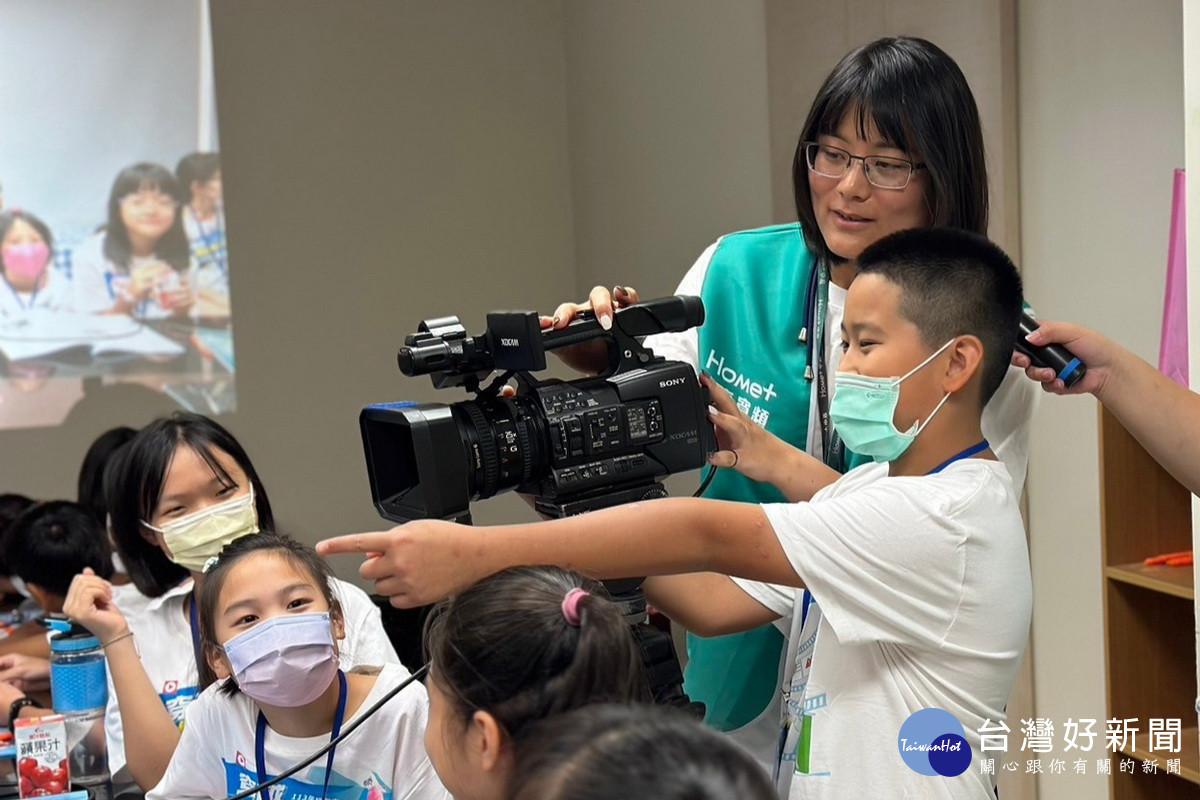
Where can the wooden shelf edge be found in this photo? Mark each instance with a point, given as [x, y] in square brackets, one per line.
[1176, 581]
[1189, 755]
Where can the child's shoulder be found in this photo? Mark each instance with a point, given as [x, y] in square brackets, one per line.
[962, 484]
[214, 708]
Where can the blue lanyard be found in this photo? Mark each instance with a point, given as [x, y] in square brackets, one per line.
[17, 295]
[260, 735]
[970, 451]
[211, 241]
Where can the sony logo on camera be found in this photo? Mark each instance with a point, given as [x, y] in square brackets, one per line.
[672, 382]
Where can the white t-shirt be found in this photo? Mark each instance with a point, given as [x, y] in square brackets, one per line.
[384, 759]
[97, 282]
[926, 598]
[164, 640]
[1006, 418]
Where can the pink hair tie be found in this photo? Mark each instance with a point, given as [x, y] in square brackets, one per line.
[570, 606]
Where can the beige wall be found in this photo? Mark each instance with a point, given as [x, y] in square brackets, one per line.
[805, 39]
[668, 134]
[1098, 80]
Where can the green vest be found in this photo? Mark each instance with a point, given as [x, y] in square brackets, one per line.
[754, 293]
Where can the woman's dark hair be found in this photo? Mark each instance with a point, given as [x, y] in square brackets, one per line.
[11, 507]
[300, 556]
[91, 472]
[919, 101]
[610, 752]
[196, 167]
[133, 484]
[50, 543]
[505, 647]
[173, 246]
[13, 215]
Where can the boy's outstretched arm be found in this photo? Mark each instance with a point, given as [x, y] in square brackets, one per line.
[426, 560]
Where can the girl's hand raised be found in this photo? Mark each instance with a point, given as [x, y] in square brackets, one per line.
[89, 602]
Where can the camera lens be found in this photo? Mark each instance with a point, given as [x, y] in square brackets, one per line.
[506, 442]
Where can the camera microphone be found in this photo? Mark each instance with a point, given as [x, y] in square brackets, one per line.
[1067, 367]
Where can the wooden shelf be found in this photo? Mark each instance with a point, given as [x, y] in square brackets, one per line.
[1189, 755]
[1177, 581]
[1149, 615]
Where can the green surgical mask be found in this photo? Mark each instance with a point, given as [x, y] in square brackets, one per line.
[194, 539]
[863, 412]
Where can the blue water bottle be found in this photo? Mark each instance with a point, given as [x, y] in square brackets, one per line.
[79, 689]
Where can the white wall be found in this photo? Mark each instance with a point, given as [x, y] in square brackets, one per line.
[1101, 129]
[1191, 84]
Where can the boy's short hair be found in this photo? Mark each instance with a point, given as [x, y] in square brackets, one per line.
[52, 542]
[954, 283]
[193, 167]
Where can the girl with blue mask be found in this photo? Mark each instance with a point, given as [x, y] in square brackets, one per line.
[180, 491]
[270, 631]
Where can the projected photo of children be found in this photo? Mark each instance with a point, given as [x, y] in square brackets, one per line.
[114, 263]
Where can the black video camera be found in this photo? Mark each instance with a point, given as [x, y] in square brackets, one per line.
[575, 445]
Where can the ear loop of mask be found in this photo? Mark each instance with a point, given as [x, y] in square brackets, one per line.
[921, 426]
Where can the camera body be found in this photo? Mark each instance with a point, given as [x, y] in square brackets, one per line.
[574, 445]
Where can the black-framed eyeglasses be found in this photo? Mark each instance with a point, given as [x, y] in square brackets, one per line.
[884, 172]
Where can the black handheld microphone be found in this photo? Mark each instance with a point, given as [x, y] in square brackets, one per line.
[1066, 366]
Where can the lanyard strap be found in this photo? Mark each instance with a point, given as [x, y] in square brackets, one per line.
[260, 736]
[212, 240]
[17, 295]
[970, 451]
[833, 451]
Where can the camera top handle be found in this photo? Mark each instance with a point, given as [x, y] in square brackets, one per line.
[514, 341]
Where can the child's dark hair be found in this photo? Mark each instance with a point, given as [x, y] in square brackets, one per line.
[50, 543]
[91, 472]
[505, 646]
[300, 556]
[133, 483]
[11, 507]
[954, 283]
[611, 752]
[919, 101]
[173, 247]
[13, 215]
[196, 168]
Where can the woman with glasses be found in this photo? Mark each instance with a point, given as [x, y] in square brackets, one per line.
[892, 142]
[138, 263]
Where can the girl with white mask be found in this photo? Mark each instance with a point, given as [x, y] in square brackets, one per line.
[180, 491]
[271, 628]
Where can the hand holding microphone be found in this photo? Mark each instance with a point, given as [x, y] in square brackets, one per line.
[1063, 357]
[1066, 365]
